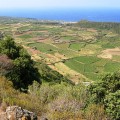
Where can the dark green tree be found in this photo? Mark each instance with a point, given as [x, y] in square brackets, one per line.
[23, 72]
[8, 47]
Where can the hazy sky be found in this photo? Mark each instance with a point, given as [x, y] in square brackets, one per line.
[29, 4]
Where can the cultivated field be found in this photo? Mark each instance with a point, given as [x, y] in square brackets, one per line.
[81, 54]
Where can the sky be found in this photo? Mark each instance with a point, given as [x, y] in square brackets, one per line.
[44, 4]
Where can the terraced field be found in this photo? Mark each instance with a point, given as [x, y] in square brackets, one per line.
[76, 52]
[92, 66]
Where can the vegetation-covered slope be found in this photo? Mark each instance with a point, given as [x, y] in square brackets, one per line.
[58, 52]
[59, 44]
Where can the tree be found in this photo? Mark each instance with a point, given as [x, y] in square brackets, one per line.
[8, 47]
[23, 72]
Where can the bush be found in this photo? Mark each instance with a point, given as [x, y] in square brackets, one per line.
[107, 92]
[10, 96]
[109, 84]
[95, 112]
[112, 105]
[6, 89]
[62, 101]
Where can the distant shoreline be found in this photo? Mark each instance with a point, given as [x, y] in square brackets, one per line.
[66, 15]
[51, 21]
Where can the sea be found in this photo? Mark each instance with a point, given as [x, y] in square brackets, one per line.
[66, 14]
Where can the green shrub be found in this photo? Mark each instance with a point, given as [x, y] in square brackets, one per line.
[107, 93]
[112, 105]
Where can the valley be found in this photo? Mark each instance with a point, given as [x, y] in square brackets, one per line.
[78, 52]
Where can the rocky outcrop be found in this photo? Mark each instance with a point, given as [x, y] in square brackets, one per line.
[17, 113]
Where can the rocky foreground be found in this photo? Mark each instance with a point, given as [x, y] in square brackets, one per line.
[17, 113]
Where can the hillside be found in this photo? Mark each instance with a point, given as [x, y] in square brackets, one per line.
[60, 71]
[81, 51]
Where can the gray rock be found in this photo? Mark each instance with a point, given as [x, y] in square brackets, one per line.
[17, 113]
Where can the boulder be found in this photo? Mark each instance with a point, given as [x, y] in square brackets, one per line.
[17, 113]
[3, 116]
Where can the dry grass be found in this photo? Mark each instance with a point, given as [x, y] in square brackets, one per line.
[71, 74]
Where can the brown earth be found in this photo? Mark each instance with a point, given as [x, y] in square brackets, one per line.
[108, 53]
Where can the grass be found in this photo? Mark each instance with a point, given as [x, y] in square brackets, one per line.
[62, 45]
[68, 53]
[39, 28]
[91, 66]
[75, 65]
[26, 36]
[108, 45]
[24, 28]
[87, 59]
[46, 48]
[68, 38]
[88, 63]
[116, 58]
[110, 42]
[101, 62]
[76, 46]
[92, 46]
[35, 34]
[56, 29]
[112, 66]
[92, 76]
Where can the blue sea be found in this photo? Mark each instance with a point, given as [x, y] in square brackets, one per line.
[68, 15]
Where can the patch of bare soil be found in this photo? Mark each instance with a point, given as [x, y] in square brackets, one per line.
[31, 50]
[31, 31]
[108, 53]
[40, 39]
[91, 30]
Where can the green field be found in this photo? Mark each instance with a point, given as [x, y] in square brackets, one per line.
[112, 66]
[76, 46]
[91, 66]
[80, 46]
[26, 36]
[86, 59]
[42, 47]
[59, 70]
